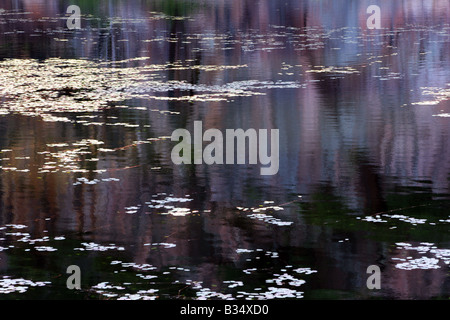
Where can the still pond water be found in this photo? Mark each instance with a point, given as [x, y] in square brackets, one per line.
[86, 176]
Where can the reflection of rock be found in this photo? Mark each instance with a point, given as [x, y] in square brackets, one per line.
[40, 8]
[420, 283]
[3, 261]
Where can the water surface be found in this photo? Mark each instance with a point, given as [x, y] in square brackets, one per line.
[87, 179]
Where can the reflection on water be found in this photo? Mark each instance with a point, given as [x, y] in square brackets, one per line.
[86, 175]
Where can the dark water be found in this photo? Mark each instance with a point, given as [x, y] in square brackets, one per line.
[87, 179]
